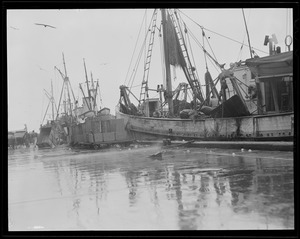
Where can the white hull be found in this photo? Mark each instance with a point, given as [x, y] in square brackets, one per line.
[259, 127]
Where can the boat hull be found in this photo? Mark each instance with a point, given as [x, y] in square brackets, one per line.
[99, 131]
[49, 136]
[260, 127]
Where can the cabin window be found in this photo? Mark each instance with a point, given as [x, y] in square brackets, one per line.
[279, 94]
[269, 97]
[152, 107]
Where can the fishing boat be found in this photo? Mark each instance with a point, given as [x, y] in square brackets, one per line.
[251, 100]
[18, 138]
[54, 131]
[95, 127]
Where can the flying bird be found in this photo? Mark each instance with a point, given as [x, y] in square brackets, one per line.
[41, 68]
[14, 28]
[45, 25]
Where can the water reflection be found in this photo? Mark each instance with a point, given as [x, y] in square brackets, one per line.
[190, 190]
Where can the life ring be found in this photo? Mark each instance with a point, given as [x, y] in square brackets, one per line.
[286, 38]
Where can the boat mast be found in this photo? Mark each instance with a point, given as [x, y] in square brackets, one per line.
[65, 87]
[52, 101]
[167, 65]
[87, 84]
[247, 33]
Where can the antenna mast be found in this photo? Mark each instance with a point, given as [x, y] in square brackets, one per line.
[247, 33]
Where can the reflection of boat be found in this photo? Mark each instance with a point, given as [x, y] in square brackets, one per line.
[255, 100]
[95, 128]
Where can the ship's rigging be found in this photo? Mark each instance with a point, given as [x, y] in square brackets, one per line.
[178, 53]
[68, 106]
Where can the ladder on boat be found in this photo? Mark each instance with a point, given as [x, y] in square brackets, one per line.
[144, 87]
[188, 69]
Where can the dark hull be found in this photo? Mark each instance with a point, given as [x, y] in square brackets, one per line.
[99, 131]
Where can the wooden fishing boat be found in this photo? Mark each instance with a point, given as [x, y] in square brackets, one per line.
[18, 138]
[93, 127]
[254, 100]
[54, 131]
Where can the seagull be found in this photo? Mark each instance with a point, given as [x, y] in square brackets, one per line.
[41, 68]
[14, 28]
[45, 25]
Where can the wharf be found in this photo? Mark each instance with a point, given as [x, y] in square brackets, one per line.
[253, 145]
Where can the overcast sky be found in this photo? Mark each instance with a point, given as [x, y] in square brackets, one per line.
[106, 39]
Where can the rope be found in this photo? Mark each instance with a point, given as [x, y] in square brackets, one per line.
[203, 34]
[240, 52]
[187, 37]
[141, 52]
[134, 48]
[210, 47]
[190, 46]
[220, 34]
[136, 86]
[214, 61]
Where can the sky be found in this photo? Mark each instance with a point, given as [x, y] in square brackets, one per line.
[106, 39]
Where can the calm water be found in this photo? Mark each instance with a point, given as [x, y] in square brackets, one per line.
[197, 189]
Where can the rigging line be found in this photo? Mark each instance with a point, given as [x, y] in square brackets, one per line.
[133, 74]
[245, 91]
[215, 62]
[241, 49]
[187, 54]
[240, 52]
[134, 48]
[241, 82]
[211, 48]
[135, 86]
[203, 34]
[141, 52]
[145, 36]
[136, 66]
[220, 34]
[208, 44]
[190, 45]
[205, 51]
